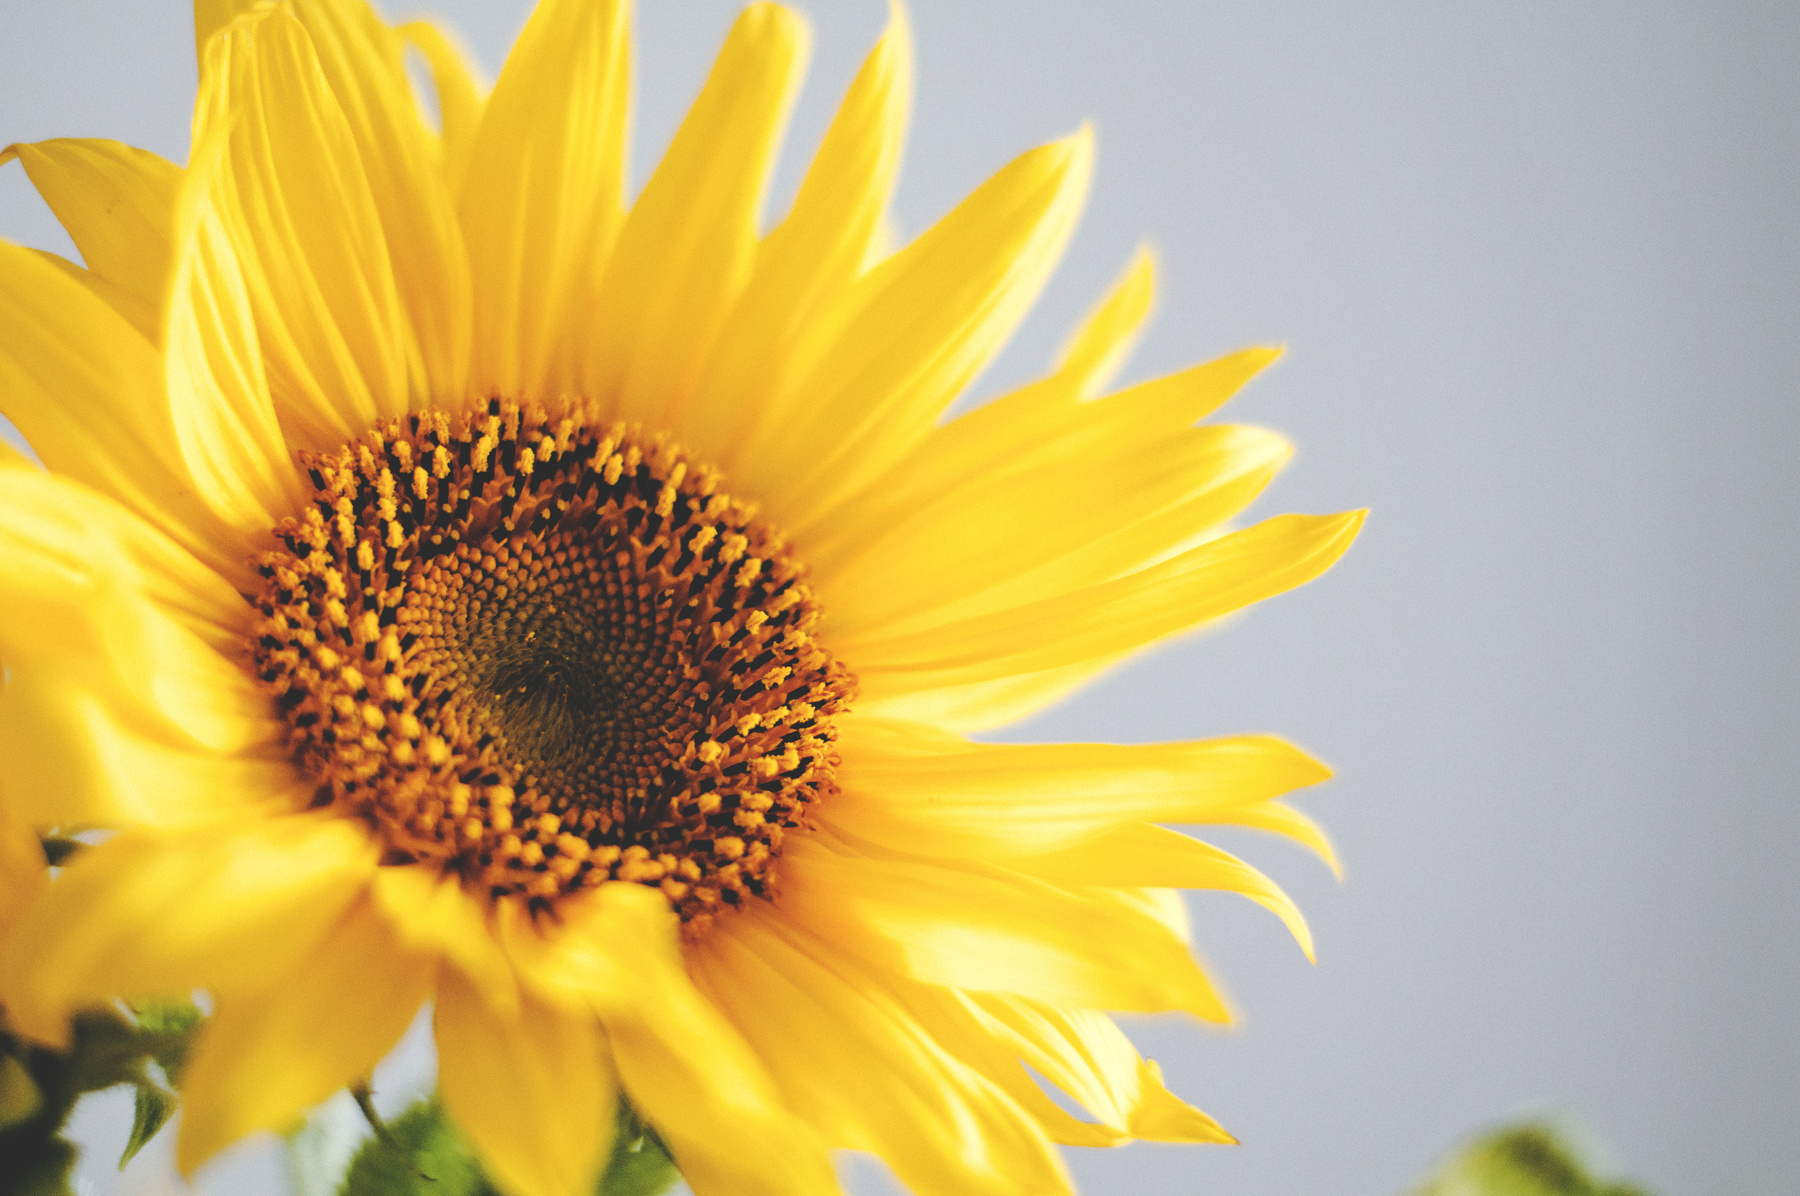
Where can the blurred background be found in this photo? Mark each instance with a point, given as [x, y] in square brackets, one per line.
[1538, 270]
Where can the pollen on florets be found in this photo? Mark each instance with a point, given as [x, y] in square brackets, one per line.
[547, 654]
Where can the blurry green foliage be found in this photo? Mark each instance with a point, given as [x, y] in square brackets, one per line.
[107, 1047]
[421, 1153]
[1522, 1160]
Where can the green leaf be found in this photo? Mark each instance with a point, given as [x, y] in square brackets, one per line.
[1523, 1160]
[44, 1171]
[105, 1051]
[153, 1108]
[427, 1157]
[39, 1087]
[167, 1029]
[640, 1163]
[20, 1097]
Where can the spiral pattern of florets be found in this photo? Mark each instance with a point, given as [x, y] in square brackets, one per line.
[546, 654]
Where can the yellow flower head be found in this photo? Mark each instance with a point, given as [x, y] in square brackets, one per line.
[453, 584]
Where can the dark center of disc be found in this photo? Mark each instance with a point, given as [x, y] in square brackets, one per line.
[548, 655]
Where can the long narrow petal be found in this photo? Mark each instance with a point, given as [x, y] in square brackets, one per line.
[1218, 577]
[210, 16]
[544, 194]
[805, 265]
[531, 1089]
[461, 96]
[854, 1063]
[53, 518]
[63, 611]
[987, 705]
[685, 1068]
[72, 760]
[124, 700]
[1020, 539]
[919, 328]
[151, 914]
[914, 790]
[1040, 426]
[295, 200]
[83, 387]
[364, 62]
[218, 394]
[269, 1054]
[992, 931]
[1281, 819]
[946, 1016]
[1085, 1054]
[432, 912]
[687, 247]
[117, 203]
[138, 313]
[1141, 855]
[23, 869]
[729, 1138]
[1100, 345]
[1000, 436]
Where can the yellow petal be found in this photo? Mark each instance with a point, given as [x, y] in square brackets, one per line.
[149, 914]
[1083, 1053]
[118, 205]
[543, 196]
[920, 791]
[121, 703]
[1039, 426]
[12, 458]
[153, 674]
[83, 388]
[729, 1137]
[818, 250]
[1204, 583]
[461, 96]
[364, 63]
[915, 332]
[1283, 819]
[1100, 346]
[137, 312]
[218, 395]
[23, 869]
[686, 249]
[854, 1063]
[295, 201]
[269, 1054]
[1018, 539]
[946, 1017]
[1140, 855]
[210, 16]
[685, 1068]
[73, 598]
[432, 912]
[72, 759]
[62, 525]
[993, 931]
[531, 1090]
[987, 705]
[592, 955]
[1149, 534]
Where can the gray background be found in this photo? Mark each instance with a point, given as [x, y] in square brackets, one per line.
[1537, 268]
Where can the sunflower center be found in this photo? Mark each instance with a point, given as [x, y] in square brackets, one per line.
[547, 654]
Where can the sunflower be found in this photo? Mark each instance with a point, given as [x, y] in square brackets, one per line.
[453, 585]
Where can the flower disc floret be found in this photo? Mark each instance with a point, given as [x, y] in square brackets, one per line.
[545, 653]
